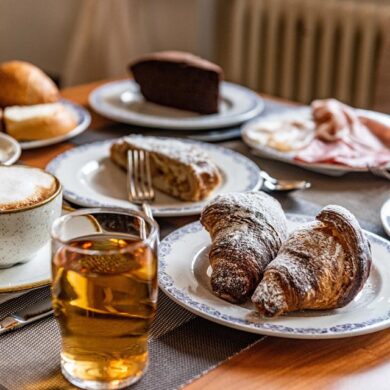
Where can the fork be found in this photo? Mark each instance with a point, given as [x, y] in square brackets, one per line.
[139, 180]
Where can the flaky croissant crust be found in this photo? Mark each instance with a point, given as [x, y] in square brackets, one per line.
[322, 265]
[247, 230]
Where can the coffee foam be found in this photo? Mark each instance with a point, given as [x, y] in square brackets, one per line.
[22, 187]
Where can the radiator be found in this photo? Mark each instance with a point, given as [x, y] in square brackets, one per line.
[307, 49]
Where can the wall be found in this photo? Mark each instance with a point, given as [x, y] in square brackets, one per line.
[37, 30]
[41, 31]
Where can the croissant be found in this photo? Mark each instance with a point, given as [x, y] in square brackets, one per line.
[247, 230]
[322, 265]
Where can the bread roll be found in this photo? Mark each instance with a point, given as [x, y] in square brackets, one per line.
[41, 121]
[22, 84]
[1, 121]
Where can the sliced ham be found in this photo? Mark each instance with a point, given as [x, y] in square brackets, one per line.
[379, 129]
[344, 138]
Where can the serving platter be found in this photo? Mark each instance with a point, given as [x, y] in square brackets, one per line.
[184, 275]
[83, 121]
[121, 101]
[90, 179]
[302, 113]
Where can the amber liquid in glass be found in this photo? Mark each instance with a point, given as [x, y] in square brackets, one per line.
[105, 305]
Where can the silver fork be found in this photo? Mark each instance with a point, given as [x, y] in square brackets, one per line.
[139, 180]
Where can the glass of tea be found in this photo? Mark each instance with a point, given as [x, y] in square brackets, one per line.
[104, 294]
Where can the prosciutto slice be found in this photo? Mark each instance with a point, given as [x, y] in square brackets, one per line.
[344, 138]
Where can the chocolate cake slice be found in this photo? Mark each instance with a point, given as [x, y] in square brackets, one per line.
[180, 80]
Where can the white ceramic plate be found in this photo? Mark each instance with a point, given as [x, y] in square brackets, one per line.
[90, 179]
[83, 121]
[37, 272]
[122, 101]
[184, 276]
[288, 157]
[10, 149]
[26, 276]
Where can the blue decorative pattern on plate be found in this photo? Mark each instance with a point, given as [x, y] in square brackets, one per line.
[83, 121]
[122, 101]
[184, 276]
[90, 179]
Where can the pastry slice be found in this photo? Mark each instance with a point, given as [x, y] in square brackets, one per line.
[322, 265]
[178, 168]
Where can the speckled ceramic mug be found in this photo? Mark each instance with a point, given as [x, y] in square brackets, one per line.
[24, 231]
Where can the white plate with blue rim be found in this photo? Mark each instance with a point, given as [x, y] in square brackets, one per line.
[83, 121]
[90, 179]
[184, 275]
[121, 101]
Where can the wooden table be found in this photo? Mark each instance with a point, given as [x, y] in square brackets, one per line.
[274, 363]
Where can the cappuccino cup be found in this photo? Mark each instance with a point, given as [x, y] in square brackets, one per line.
[30, 201]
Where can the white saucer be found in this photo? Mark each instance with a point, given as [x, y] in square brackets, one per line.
[184, 276]
[37, 271]
[90, 179]
[83, 121]
[288, 157]
[121, 101]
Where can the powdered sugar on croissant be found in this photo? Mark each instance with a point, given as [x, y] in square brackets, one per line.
[247, 230]
[322, 265]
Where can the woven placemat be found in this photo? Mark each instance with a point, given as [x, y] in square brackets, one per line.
[182, 347]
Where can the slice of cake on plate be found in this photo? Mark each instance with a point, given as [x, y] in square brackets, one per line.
[180, 169]
[180, 80]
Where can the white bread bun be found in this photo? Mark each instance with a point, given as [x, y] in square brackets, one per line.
[41, 121]
[24, 84]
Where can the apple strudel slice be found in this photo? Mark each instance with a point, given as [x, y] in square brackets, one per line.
[178, 168]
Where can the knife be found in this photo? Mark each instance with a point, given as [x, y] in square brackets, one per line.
[27, 315]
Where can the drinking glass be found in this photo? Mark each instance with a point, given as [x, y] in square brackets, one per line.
[104, 293]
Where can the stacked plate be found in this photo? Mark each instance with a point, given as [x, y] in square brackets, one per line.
[121, 101]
